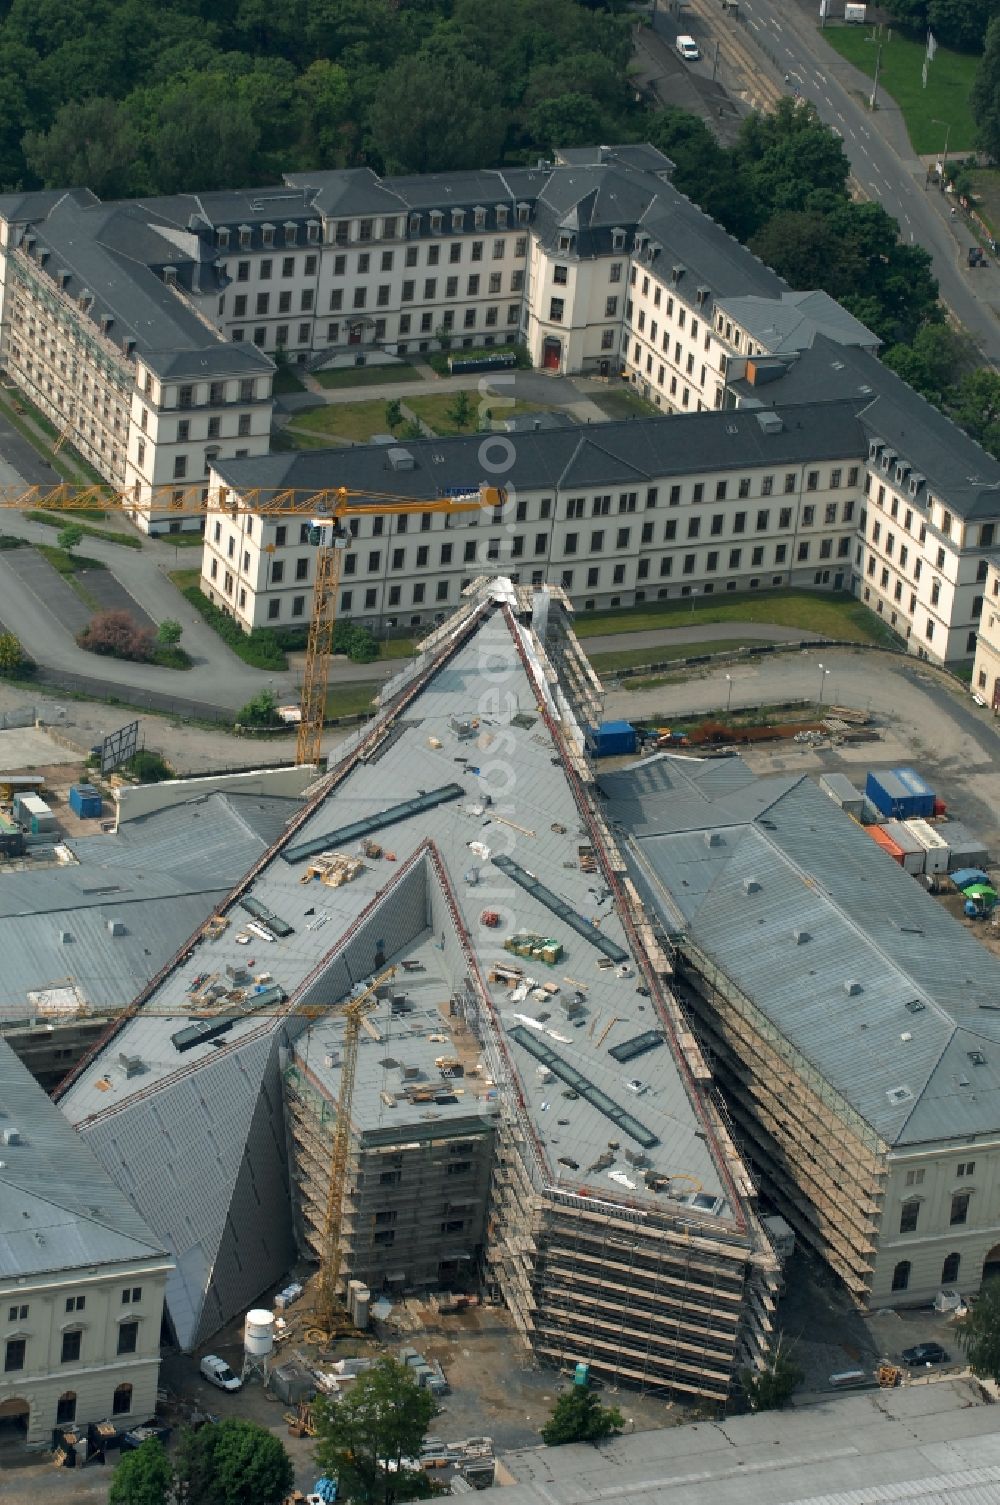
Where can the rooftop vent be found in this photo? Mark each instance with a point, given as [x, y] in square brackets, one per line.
[769, 422]
[400, 459]
[170, 276]
[713, 838]
[751, 886]
[116, 927]
[801, 936]
[898, 1095]
[131, 1065]
[905, 1036]
[916, 1006]
[12, 1136]
[65, 938]
[976, 1057]
[852, 987]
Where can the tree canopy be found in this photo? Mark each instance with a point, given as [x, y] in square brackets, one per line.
[365, 1439]
[955, 23]
[232, 1463]
[978, 1331]
[578, 1416]
[984, 101]
[143, 1477]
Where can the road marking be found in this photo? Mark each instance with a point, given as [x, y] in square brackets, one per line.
[753, 23]
[830, 102]
[841, 118]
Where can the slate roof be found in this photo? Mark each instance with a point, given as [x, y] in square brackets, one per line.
[59, 1208]
[957, 469]
[743, 868]
[794, 320]
[630, 451]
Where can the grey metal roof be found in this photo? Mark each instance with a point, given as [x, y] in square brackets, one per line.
[160, 876]
[796, 904]
[59, 1209]
[793, 321]
[622, 453]
[957, 469]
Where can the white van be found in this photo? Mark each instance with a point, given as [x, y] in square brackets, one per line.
[688, 49]
[218, 1372]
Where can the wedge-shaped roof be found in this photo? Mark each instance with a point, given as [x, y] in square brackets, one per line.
[59, 1208]
[479, 711]
[871, 980]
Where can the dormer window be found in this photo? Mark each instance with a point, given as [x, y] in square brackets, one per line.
[291, 234]
[244, 237]
[565, 241]
[437, 220]
[170, 276]
[501, 213]
[313, 231]
[523, 211]
[267, 233]
[106, 323]
[415, 224]
[618, 240]
[458, 219]
[130, 347]
[222, 237]
[479, 216]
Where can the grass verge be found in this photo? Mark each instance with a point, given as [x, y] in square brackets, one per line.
[638, 658]
[67, 565]
[366, 376]
[622, 402]
[435, 410]
[352, 698]
[343, 420]
[949, 81]
[68, 520]
[259, 648]
[189, 538]
[833, 614]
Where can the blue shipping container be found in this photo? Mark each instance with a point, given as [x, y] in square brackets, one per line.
[900, 793]
[613, 739]
[85, 801]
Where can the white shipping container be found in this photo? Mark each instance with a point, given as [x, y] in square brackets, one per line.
[913, 853]
[936, 849]
[855, 13]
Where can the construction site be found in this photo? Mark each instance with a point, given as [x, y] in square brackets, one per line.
[423, 1037]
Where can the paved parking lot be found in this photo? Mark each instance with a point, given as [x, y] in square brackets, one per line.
[46, 583]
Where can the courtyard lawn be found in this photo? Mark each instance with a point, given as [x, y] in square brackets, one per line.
[834, 614]
[949, 81]
[622, 402]
[341, 420]
[434, 410]
[366, 376]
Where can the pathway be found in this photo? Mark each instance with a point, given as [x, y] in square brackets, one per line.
[708, 632]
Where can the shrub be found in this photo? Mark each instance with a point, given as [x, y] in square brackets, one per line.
[168, 634]
[12, 657]
[260, 648]
[260, 711]
[148, 767]
[356, 642]
[116, 634]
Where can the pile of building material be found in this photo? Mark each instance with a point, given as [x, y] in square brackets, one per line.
[333, 869]
[540, 948]
[429, 1375]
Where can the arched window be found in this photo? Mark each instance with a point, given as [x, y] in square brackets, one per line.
[949, 1270]
[123, 1400]
[901, 1275]
[66, 1409]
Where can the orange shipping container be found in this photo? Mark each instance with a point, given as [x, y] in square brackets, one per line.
[886, 843]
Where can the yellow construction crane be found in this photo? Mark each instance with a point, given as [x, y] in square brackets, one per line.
[328, 1303]
[325, 510]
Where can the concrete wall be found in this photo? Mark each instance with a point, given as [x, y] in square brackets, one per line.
[137, 800]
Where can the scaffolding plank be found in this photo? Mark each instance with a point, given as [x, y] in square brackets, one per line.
[561, 908]
[584, 1086]
[371, 823]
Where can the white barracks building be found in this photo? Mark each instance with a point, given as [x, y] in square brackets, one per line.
[147, 331]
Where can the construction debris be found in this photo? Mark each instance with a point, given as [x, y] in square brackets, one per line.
[334, 868]
[540, 947]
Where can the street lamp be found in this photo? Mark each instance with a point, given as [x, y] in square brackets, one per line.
[944, 154]
[694, 597]
[822, 677]
[873, 100]
[729, 692]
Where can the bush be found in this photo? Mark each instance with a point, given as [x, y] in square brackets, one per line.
[356, 642]
[260, 711]
[260, 648]
[168, 634]
[116, 634]
[12, 657]
[7, 542]
[69, 537]
[148, 767]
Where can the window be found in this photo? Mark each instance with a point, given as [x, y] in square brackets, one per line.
[960, 1208]
[720, 491]
[14, 1354]
[908, 1216]
[277, 575]
[745, 486]
[734, 558]
[75, 1303]
[273, 610]
[812, 480]
[694, 527]
[17, 1314]
[122, 1403]
[966, 1168]
[180, 467]
[128, 1337]
[718, 520]
[808, 516]
[915, 1178]
[556, 310]
[66, 1409]
[298, 606]
[71, 1343]
[949, 1270]
[901, 1275]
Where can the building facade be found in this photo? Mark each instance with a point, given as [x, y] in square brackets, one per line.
[81, 1278]
[986, 668]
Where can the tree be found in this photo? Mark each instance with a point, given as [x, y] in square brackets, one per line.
[461, 410]
[393, 415]
[931, 364]
[365, 1439]
[978, 1333]
[702, 168]
[452, 117]
[260, 710]
[70, 536]
[168, 634]
[984, 99]
[232, 1462]
[770, 1388]
[196, 132]
[571, 119]
[117, 635]
[12, 655]
[91, 143]
[977, 407]
[143, 1477]
[578, 1416]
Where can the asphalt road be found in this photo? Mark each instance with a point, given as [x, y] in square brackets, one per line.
[789, 42]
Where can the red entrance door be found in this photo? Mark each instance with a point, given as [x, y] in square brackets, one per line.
[551, 355]
[354, 337]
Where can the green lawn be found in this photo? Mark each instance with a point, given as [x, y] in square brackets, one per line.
[343, 420]
[186, 538]
[69, 519]
[352, 698]
[622, 402]
[367, 376]
[638, 658]
[949, 80]
[835, 614]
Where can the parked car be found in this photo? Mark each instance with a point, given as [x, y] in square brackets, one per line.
[925, 1353]
[138, 1435]
[218, 1372]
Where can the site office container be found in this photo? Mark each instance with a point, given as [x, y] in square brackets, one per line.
[936, 849]
[882, 839]
[914, 854]
[900, 793]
